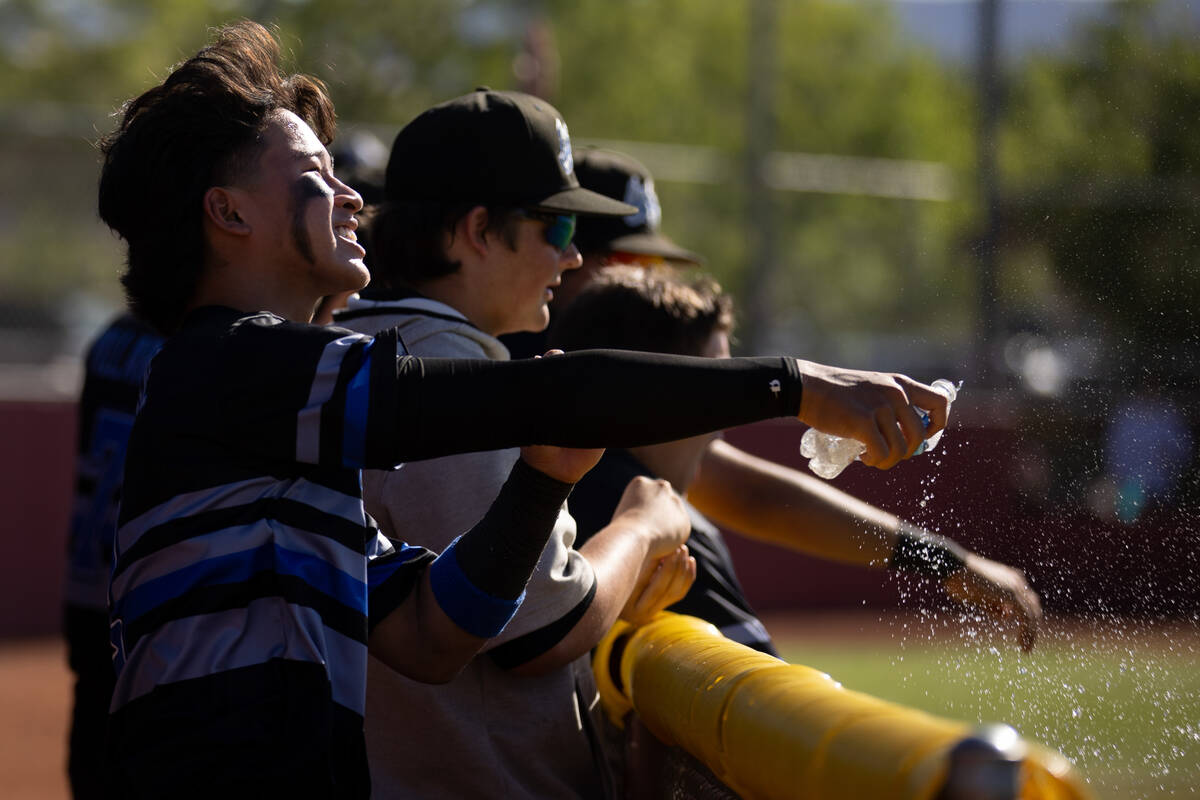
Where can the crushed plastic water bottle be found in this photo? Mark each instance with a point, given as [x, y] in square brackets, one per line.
[828, 455]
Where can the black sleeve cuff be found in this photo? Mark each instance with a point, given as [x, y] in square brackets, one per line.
[524, 649]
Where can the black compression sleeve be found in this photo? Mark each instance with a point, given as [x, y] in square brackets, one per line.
[593, 398]
[499, 554]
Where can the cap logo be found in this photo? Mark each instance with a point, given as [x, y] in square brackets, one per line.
[640, 192]
[565, 159]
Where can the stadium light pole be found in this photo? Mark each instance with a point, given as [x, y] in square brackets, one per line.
[759, 205]
[988, 243]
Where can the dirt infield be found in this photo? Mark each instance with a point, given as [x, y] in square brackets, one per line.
[35, 695]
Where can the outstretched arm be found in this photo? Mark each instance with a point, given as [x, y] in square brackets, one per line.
[587, 399]
[600, 398]
[370, 406]
[786, 507]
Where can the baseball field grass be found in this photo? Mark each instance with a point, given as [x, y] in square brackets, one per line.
[1120, 698]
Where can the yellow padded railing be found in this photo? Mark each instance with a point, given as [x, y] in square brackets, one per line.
[769, 730]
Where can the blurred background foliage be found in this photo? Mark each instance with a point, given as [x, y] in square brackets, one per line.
[1096, 234]
[1102, 150]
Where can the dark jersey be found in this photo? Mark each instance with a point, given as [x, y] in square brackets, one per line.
[716, 596]
[244, 558]
[115, 366]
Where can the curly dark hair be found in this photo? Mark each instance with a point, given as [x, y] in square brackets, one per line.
[655, 310]
[202, 127]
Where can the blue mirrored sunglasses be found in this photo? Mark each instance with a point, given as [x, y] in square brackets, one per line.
[560, 228]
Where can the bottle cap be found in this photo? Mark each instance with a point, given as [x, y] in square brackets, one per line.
[945, 387]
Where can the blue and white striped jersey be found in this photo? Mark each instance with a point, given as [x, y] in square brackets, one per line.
[114, 368]
[243, 548]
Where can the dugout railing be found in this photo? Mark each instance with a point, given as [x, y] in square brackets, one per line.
[765, 730]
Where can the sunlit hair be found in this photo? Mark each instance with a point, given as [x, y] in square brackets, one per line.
[408, 239]
[657, 310]
[202, 127]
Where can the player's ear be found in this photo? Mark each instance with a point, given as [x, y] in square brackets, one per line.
[221, 210]
[473, 228]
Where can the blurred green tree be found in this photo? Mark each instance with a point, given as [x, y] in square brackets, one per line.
[1102, 150]
[1108, 121]
[847, 82]
[671, 71]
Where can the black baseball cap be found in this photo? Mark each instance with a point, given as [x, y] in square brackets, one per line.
[493, 148]
[623, 177]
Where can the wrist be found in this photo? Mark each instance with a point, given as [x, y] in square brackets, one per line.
[638, 530]
[814, 381]
[804, 370]
[538, 484]
[924, 553]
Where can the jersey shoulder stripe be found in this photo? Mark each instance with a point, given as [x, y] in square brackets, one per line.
[314, 418]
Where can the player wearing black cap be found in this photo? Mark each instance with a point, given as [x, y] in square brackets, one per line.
[248, 582]
[534, 692]
[633, 238]
[497, 148]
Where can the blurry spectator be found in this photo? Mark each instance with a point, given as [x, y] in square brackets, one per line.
[114, 372]
[1147, 449]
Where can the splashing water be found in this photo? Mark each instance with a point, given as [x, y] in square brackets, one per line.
[1118, 694]
[1121, 699]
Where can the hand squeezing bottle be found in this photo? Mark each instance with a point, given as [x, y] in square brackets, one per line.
[828, 455]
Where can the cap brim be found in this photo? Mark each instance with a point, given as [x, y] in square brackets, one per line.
[653, 244]
[587, 203]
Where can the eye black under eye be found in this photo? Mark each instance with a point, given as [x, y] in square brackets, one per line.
[313, 187]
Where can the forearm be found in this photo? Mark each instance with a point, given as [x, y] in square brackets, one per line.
[616, 554]
[420, 641]
[783, 506]
[471, 591]
[586, 399]
[786, 507]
